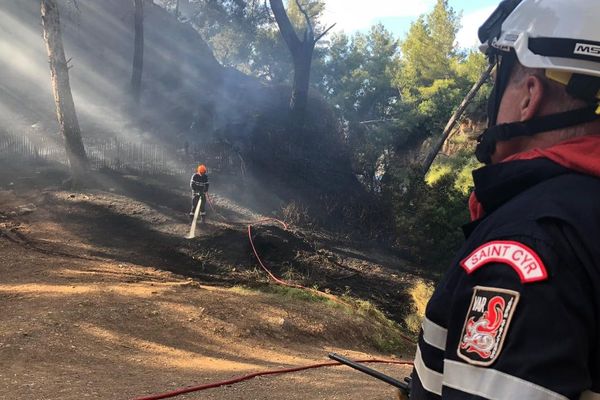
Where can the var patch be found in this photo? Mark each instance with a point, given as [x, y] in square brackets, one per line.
[486, 324]
[521, 258]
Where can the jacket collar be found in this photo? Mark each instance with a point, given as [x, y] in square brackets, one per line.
[496, 184]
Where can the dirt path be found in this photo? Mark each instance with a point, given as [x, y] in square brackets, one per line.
[75, 329]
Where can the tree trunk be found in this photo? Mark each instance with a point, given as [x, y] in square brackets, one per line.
[65, 107]
[138, 52]
[299, 100]
[302, 52]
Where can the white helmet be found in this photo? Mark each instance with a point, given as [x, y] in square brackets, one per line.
[552, 34]
[559, 36]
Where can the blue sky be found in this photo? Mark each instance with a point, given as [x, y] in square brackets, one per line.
[397, 15]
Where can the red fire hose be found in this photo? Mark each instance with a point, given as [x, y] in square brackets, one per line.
[254, 375]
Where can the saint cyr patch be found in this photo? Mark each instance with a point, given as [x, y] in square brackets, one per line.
[486, 325]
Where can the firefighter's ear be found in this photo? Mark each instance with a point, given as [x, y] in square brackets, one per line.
[533, 94]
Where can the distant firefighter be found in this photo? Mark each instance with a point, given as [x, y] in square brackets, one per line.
[199, 186]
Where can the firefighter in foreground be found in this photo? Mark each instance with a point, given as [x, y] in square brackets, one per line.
[199, 186]
[517, 316]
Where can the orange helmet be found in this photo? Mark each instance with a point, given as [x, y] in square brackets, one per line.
[202, 169]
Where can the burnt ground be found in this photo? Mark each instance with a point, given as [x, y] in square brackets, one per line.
[81, 251]
[144, 221]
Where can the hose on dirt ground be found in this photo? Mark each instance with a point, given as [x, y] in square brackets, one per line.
[232, 381]
[280, 281]
[260, 262]
[284, 283]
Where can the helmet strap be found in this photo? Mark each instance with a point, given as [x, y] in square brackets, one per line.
[506, 62]
[486, 142]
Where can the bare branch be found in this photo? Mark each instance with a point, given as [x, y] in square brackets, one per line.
[324, 33]
[376, 121]
[455, 118]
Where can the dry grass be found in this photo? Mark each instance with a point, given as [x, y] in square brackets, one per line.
[296, 213]
[420, 293]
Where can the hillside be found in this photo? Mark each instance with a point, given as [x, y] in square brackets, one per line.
[192, 109]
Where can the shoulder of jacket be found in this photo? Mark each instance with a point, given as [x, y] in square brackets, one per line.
[569, 185]
[568, 197]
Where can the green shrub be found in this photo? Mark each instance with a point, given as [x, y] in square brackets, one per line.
[429, 219]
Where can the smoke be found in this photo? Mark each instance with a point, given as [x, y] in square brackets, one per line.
[98, 40]
[187, 96]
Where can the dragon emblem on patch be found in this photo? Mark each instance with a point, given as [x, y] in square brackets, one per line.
[486, 324]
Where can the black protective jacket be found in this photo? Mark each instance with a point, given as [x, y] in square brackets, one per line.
[517, 316]
[199, 183]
